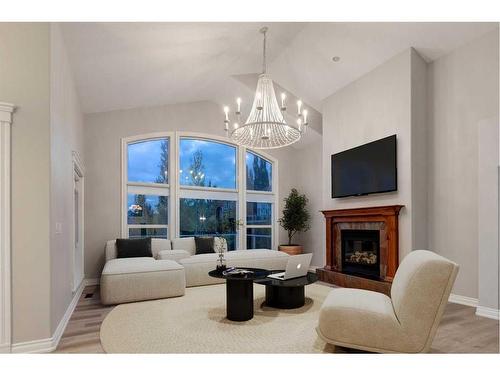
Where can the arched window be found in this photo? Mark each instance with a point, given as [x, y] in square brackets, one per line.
[147, 188]
[183, 184]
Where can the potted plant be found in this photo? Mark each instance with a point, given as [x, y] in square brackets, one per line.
[295, 219]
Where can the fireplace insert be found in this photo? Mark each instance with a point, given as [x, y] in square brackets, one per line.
[361, 252]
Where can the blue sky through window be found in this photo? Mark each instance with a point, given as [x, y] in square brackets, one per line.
[216, 167]
[144, 161]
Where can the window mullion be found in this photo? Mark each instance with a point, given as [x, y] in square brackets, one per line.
[242, 198]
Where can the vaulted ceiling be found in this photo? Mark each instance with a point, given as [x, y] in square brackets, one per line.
[125, 65]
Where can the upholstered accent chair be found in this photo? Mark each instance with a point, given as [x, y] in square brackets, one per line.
[406, 322]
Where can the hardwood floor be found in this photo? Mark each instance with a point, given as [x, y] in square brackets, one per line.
[460, 331]
[82, 332]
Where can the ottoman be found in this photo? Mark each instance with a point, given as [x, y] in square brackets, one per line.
[138, 279]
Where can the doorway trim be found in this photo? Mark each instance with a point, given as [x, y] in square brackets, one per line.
[78, 170]
[6, 111]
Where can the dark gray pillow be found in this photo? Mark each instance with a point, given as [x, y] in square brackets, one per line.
[132, 248]
[204, 245]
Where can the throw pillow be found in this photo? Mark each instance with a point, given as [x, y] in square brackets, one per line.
[204, 245]
[132, 248]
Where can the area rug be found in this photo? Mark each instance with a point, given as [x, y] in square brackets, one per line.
[196, 323]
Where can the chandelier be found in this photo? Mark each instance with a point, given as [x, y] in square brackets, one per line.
[265, 126]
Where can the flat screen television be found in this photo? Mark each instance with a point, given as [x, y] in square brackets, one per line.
[367, 169]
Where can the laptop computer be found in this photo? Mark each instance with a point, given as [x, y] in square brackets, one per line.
[297, 266]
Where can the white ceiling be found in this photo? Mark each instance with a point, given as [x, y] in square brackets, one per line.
[125, 65]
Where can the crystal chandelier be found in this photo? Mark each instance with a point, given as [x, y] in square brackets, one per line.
[265, 126]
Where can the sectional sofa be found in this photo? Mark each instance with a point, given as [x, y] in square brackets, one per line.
[173, 267]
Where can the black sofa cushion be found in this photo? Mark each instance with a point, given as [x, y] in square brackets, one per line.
[204, 245]
[133, 248]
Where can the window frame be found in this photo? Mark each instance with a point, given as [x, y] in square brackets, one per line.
[258, 196]
[261, 226]
[175, 191]
[147, 188]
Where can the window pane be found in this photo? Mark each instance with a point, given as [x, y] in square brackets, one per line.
[259, 238]
[208, 217]
[259, 173]
[148, 161]
[147, 232]
[206, 163]
[147, 209]
[258, 213]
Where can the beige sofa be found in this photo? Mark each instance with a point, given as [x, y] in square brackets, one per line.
[406, 322]
[197, 266]
[173, 267]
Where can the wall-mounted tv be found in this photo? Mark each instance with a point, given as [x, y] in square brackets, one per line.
[370, 168]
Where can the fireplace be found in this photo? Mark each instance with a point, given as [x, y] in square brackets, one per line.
[360, 252]
[361, 247]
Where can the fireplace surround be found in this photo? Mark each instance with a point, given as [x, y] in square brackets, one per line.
[362, 247]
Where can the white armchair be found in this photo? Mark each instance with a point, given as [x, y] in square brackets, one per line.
[406, 322]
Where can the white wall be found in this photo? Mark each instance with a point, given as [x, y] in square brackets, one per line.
[488, 213]
[103, 133]
[47, 125]
[463, 92]
[436, 110]
[419, 158]
[24, 81]
[380, 104]
[308, 165]
[66, 135]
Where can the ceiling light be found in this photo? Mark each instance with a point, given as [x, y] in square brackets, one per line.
[265, 126]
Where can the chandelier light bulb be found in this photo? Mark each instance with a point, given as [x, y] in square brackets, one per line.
[226, 112]
[299, 124]
[235, 125]
[304, 116]
[299, 106]
[283, 98]
[238, 102]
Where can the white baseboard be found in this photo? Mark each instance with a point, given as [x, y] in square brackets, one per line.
[35, 346]
[89, 282]
[488, 312]
[4, 348]
[67, 315]
[463, 300]
[50, 344]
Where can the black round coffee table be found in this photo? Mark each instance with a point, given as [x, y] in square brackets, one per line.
[287, 294]
[239, 292]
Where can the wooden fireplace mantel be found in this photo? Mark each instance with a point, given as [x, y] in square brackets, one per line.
[383, 218]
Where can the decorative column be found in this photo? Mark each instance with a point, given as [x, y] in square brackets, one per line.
[6, 111]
